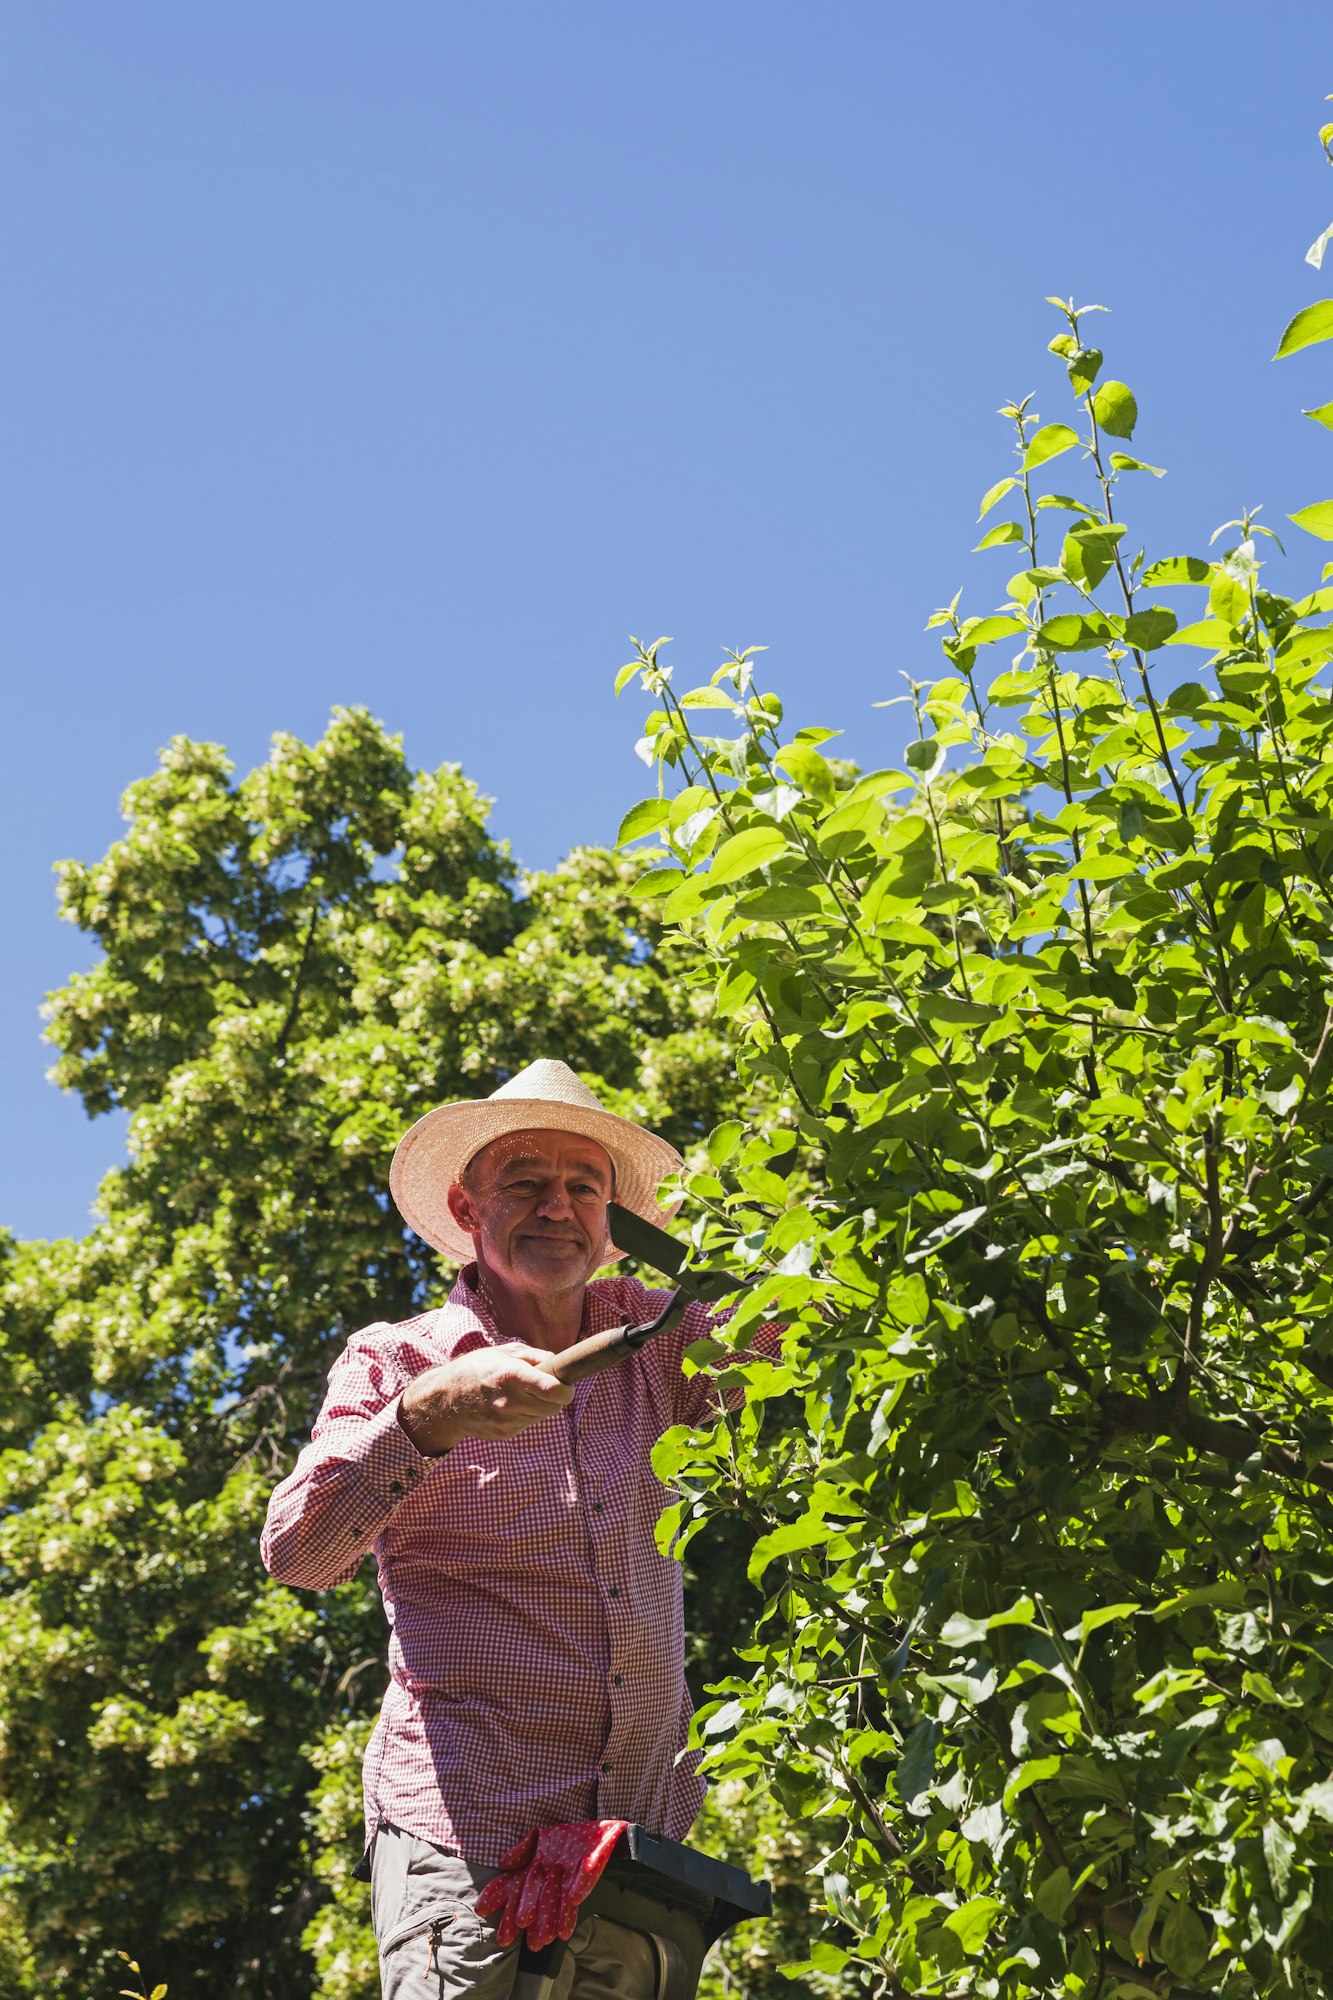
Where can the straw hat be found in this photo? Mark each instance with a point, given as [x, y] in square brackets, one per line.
[544, 1097]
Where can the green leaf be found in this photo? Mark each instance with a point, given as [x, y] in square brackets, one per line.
[627, 674]
[1105, 1614]
[973, 1923]
[1177, 569]
[1311, 325]
[812, 772]
[1068, 633]
[1148, 629]
[1122, 462]
[1032, 1772]
[985, 631]
[1210, 633]
[916, 1766]
[1049, 442]
[811, 1531]
[995, 494]
[707, 697]
[954, 1008]
[754, 847]
[1184, 1940]
[944, 1232]
[1054, 1895]
[723, 1141]
[1115, 409]
[643, 818]
[1323, 415]
[1316, 519]
[1084, 366]
[1008, 531]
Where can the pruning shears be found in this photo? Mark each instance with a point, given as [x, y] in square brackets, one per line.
[693, 1286]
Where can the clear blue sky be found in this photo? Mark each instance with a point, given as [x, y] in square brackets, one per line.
[415, 354]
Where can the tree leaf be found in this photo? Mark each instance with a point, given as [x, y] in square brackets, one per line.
[1008, 531]
[1105, 1614]
[1311, 325]
[643, 818]
[1048, 443]
[985, 631]
[753, 847]
[1068, 633]
[1030, 1773]
[811, 1531]
[973, 1922]
[1316, 519]
[813, 773]
[1323, 415]
[916, 1766]
[1147, 630]
[1084, 366]
[1177, 569]
[995, 494]
[707, 697]
[1115, 409]
[1184, 1940]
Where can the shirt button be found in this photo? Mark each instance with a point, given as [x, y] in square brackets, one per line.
[597, 1507]
[617, 1680]
[606, 1767]
[614, 1591]
[396, 1486]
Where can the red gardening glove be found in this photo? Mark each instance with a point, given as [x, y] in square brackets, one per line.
[545, 1877]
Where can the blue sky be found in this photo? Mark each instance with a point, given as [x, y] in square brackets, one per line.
[417, 354]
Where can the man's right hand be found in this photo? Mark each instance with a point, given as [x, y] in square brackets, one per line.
[491, 1393]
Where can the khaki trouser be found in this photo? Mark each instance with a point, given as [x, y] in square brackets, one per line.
[433, 1945]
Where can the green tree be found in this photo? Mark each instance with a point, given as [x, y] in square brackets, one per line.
[293, 966]
[1044, 1484]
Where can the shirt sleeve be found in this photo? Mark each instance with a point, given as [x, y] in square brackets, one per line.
[351, 1478]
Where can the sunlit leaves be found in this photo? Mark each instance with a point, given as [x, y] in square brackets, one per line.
[1311, 325]
[1115, 409]
[1053, 1023]
[1316, 519]
[1049, 442]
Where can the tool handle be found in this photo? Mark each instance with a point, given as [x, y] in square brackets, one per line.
[591, 1356]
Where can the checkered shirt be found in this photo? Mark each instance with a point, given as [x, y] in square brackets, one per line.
[536, 1656]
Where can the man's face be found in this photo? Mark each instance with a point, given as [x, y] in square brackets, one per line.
[535, 1207]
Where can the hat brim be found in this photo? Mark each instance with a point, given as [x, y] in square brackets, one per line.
[430, 1158]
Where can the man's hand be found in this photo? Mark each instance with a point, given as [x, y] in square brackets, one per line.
[491, 1393]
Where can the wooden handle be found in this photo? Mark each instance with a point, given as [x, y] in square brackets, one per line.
[590, 1356]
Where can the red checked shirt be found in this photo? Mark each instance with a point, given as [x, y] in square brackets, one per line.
[537, 1652]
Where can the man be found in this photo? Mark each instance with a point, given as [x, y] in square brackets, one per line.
[536, 1657]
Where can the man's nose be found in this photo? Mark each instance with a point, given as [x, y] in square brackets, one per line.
[555, 1200]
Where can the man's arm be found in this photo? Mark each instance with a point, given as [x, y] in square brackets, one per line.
[386, 1420]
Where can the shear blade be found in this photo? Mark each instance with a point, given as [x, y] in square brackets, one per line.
[629, 1232]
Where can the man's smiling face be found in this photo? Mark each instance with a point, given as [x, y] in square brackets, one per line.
[534, 1204]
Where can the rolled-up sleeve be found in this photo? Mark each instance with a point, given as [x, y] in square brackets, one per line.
[349, 1481]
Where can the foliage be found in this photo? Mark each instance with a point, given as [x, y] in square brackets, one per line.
[1044, 1483]
[293, 965]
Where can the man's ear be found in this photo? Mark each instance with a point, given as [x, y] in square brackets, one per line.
[463, 1209]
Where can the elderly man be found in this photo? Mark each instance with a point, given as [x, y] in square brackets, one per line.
[536, 1657]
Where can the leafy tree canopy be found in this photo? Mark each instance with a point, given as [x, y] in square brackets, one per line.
[293, 966]
[1044, 1485]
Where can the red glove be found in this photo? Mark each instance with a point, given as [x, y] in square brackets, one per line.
[545, 1877]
